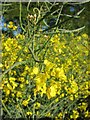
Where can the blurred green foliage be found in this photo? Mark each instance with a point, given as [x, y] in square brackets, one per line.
[12, 11]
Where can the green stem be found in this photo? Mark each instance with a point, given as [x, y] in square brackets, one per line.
[69, 105]
[65, 30]
[38, 14]
[6, 109]
[54, 106]
[59, 15]
[34, 108]
[5, 4]
[28, 5]
[16, 64]
[45, 43]
[32, 52]
[20, 17]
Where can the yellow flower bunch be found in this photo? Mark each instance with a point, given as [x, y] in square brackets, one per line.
[59, 81]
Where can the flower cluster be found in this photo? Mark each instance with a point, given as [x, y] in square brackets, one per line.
[9, 27]
[57, 87]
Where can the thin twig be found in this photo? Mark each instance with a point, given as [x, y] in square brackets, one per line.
[6, 109]
[16, 64]
[20, 17]
[28, 5]
[32, 52]
[58, 19]
[70, 31]
[66, 31]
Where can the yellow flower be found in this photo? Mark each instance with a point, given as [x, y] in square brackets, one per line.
[35, 70]
[78, 38]
[5, 24]
[75, 114]
[87, 114]
[19, 47]
[10, 26]
[49, 65]
[69, 62]
[71, 97]
[25, 102]
[9, 86]
[10, 23]
[14, 84]
[1, 65]
[29, 113]
[20, 36]
[7, 92]
[60, 115]
[85, 36]
[46, 62]
[20, 59]
[21, 79]
[55, 39]
[37, 105]
[27, 82]
[19, 94]
[60, 74]
[53, 73]
[62, 95]
[74, 87]
[14, 27]
[12, 79]
[48, 114]
[13, 95]
[48, 92]
[43, 89]
[21, 85]
[26, 49]
[26, 67]
[83, 106]
[53, 90]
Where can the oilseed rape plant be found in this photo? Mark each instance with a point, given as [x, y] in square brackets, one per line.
[50, 80]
